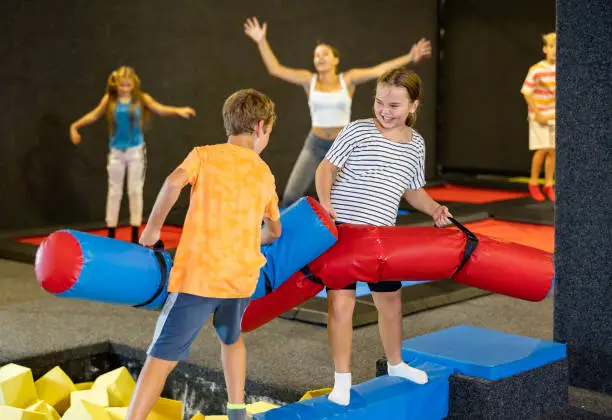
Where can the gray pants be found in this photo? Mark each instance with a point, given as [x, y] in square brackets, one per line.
[303, 173]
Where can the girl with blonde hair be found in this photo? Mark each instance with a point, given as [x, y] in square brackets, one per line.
[126, 107]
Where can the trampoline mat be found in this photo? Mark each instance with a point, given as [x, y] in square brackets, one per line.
[536, 236]
[454, 193]
[170, 235]
[539, 213]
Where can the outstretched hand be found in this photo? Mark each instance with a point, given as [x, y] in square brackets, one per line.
[254, 30]
[75, 137]
[441, 216]
[185, 112]
[149, 236]
[421, 50]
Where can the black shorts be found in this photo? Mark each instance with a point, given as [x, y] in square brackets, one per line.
[383, 286]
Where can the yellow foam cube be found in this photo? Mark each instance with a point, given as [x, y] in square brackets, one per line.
[315, 393]
[83, 386]
[46, 409]
[216, 417]
[166, 409]
[85, 410]
[17, 386]
[119, 384]
[259, 407]
[54, 387]
[198, 416]
[95, 396]
[13, 413]
[117, 413]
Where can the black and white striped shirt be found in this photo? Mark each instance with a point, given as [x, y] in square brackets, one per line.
[374, 173]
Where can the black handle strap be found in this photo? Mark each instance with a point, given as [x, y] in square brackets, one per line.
[158, 249]
[310, 275]
[470, 245]
[268, 283]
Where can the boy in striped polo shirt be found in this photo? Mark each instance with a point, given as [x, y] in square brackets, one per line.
[539, 92]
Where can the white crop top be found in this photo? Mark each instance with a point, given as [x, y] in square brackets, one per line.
[329, 109]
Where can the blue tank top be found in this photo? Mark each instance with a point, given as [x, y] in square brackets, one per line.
[125, 134]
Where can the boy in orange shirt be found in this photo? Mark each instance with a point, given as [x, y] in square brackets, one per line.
[218, 259]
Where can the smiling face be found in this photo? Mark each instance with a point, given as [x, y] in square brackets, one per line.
[393, 105]
[325, 59]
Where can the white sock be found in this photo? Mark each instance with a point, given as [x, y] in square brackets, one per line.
[408, 372]
[341, 394]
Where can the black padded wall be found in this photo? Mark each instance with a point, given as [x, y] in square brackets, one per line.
[583, 314]
[487, 48]
[56, 57]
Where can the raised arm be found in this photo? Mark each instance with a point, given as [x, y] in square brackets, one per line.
[89, 118]
[418, 51]
[257, 33]
[165, 110]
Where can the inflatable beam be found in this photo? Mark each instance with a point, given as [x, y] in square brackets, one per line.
[291, 293]
[308, 232]
[78, 265]
[374, 254]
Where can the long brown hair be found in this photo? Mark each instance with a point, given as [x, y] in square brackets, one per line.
[111, 89]
[408, 79]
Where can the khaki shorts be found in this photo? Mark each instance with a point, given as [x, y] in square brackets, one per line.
[541, 136]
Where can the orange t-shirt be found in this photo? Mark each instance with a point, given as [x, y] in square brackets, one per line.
[219, 253]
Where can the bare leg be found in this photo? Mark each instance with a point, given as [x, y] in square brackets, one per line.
[149, 387]
[389, 305]
[341, 304]
[340, 307]
[234, 369]
[536, 165]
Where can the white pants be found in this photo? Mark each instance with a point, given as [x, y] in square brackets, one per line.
[541, 136]
[134, 159]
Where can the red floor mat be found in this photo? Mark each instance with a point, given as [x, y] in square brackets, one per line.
[536, 236]
[453, 193]
[170, 235]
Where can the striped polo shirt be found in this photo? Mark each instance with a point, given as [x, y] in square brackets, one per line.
[540, 83]
[374, 173]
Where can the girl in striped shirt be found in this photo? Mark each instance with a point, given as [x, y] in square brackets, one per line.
[371, 165]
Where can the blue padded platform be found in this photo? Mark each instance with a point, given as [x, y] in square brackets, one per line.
[385, 397]
[482, 353]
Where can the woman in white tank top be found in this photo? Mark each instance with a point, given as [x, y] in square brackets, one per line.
[329, 98]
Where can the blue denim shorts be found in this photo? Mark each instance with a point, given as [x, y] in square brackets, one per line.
[182, 317]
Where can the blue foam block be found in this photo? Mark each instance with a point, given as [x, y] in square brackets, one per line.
[482, 353]
[385, 397]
